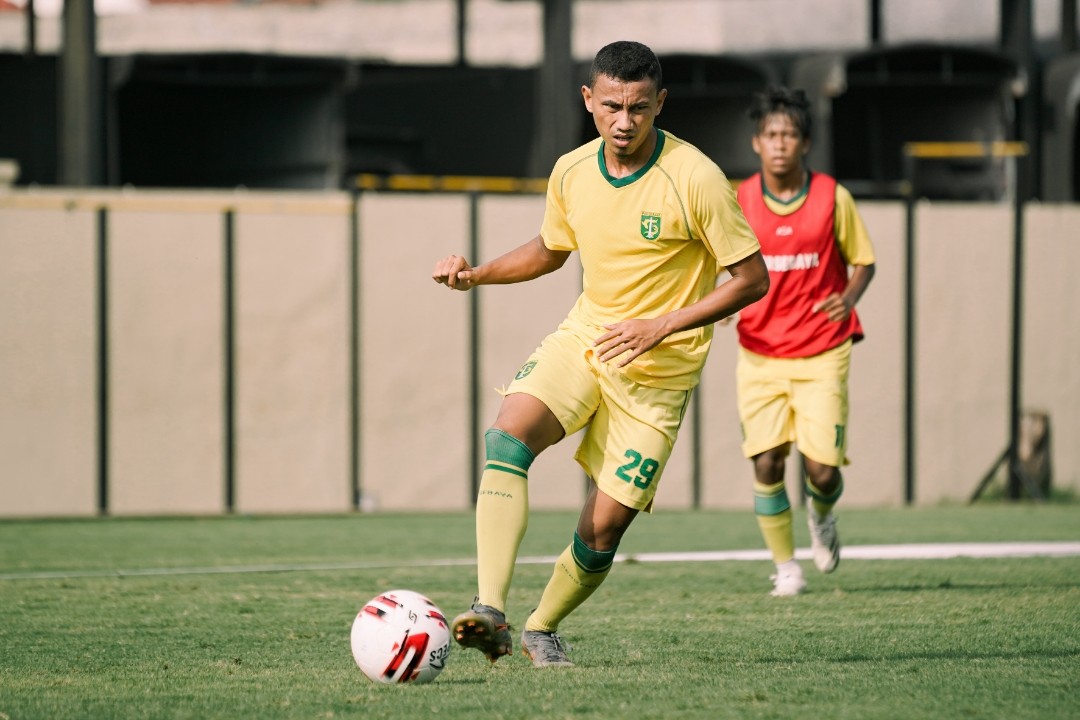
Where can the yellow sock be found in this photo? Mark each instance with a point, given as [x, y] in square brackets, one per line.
[779, 538]
[571, 584]
[502, 516]
[774, 518]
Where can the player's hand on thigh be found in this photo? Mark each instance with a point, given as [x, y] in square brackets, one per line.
[624, 341]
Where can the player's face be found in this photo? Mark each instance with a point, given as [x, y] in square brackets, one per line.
[624, 113]
[781, 146]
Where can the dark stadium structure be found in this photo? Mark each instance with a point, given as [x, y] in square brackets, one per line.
[868, 105]
[274, 121]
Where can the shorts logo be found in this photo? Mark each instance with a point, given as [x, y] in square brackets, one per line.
[525, 370]
[650, 225]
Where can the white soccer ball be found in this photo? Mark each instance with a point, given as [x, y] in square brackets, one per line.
[400, 636]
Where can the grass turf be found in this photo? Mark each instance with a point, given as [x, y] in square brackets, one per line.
[985, 638]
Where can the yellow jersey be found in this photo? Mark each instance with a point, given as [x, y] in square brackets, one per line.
[650, 243]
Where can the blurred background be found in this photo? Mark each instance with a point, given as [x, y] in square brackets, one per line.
[312, 93]
[218, 220]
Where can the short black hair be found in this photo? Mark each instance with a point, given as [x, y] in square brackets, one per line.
[627, 61]
[787, 101]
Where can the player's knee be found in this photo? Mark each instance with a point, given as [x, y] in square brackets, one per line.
[822, 480]
[769, 466]
[529, 420]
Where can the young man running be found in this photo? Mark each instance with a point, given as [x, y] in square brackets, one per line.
[795, 352]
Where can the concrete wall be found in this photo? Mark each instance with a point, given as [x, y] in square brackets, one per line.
[962, 345]
[1051, 359]
[414, 354]
[180, 438]
[511, 33]
[166, 336]
[48, 451]
[292, 357]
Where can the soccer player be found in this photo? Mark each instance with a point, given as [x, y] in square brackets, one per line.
[795, 345]
[654, 221]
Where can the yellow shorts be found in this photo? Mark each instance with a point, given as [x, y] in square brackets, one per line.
[631, 427]
[795, 400]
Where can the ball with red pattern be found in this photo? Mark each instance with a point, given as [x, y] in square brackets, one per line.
[400, 636]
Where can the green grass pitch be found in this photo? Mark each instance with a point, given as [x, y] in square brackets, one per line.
[249, 618]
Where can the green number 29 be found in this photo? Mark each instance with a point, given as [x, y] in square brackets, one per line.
[646, 466]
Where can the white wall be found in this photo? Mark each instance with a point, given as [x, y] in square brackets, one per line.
[292, 449]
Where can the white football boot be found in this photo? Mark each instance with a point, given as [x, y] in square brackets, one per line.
[824, 542]
[788, 580]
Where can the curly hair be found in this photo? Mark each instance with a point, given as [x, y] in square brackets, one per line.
[779, 99]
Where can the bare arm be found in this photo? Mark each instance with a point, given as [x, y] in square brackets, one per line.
[628, 339]
[525, 262]
[838, 306]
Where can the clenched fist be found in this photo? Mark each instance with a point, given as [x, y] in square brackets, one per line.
[454, 272]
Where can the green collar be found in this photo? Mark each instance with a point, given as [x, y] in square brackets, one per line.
[622, 182]
[795, 198]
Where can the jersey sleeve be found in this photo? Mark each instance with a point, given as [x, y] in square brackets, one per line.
[851, 234]
[555, 229]
[718, 219]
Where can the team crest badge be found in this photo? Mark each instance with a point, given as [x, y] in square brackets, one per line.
[650, 225]
[525, 370]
